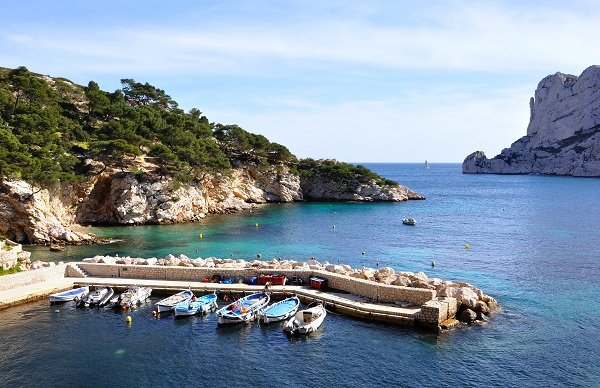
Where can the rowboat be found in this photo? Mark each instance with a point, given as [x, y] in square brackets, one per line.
[98, 297]
[75, 294]
[281, 310]
[133, 296]
[195, 305]
[306, 321]
[168, 304]
[244, 309]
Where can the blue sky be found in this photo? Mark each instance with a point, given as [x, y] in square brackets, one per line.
[376, 81]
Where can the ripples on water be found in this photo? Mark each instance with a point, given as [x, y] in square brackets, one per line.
[534, 245]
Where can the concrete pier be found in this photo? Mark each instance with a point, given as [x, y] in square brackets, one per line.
[358, 298]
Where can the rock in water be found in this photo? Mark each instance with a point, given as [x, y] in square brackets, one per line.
[563, 136]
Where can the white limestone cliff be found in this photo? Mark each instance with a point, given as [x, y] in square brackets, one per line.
[126, 198]
[563, 135]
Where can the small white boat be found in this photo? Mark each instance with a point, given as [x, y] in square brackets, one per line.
[244, 309]
[75, 294]
[281, 310]
[195, 305]
[98, 297]
[133, 296]
[409, 221]
[168, 304]
[306, 321]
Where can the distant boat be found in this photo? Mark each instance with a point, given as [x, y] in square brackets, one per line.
[426, 164]
[409, 221]
[244, 309]
[195, 306]
[281, 310]
[306, 321]
[168, 304]
[65, 296]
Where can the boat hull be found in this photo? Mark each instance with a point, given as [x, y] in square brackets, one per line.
[168, 304]
[70, 295]
[297, 325]
[200, 306]
[281, 311]
[243, 310]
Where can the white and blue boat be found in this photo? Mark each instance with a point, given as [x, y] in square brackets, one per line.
[168, 304]
[281, 310]
[133, 296]
[195, 305]
[245, 309]
[75, 294]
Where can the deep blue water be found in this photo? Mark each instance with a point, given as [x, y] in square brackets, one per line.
[534, 245]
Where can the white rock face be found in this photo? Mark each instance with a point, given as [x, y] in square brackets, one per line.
[563, 135]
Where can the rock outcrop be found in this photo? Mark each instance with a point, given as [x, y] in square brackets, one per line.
[563, 136]
[45, 216]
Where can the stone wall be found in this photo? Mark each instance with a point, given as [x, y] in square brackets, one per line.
[30, 277]
[378, 292]
[9, 252]
[434, 312]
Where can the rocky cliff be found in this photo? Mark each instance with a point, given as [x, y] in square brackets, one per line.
[31, 215]
[563, 136]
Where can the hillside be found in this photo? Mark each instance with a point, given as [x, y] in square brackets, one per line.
[72, 154]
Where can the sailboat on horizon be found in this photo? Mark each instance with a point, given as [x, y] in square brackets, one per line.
[426, 164]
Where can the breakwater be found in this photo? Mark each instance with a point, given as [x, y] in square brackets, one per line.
[403, 298]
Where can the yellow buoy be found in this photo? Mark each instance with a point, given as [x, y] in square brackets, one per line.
[257, 224]
[200, 235]
[128, 320]
[467, 246]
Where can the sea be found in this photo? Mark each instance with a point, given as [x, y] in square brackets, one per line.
[533, 244]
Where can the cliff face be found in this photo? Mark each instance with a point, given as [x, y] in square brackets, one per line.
[130, 199]
[563, 135]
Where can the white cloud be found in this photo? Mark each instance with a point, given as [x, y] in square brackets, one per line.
[438, 125]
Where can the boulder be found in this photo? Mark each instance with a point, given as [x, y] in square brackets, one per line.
[151, 261]
[481, 308]
[468, 316]
[493, 305]
[401, 281]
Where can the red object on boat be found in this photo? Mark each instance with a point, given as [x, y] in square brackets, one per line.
[276, 280]
[318, 283]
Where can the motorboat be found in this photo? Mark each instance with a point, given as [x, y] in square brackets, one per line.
[281, 310]
[100, 296]
[409, 221]
[168, 304]
[306, 321]
[133, 296]
[75, 294]
[195, 305]
[245, 309]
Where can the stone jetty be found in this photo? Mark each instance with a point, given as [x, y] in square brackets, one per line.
[382, 294]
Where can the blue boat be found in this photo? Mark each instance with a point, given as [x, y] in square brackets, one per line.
[281, 310]
[194, 306]
[245, 309]
[75, 294]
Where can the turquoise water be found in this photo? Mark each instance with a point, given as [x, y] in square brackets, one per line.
[534, 245]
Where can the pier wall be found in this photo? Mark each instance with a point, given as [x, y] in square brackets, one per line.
[436, 311]
[25, 278]
[376, 291]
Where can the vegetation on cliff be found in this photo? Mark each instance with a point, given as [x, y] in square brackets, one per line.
[50, 128]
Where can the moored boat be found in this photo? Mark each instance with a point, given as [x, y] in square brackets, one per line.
[281, 310]
[409, 221]
[244, 309]
[306, 321]
[75, 294]
[168, 304]
[98, 297]
[133, 296]
[195, 305]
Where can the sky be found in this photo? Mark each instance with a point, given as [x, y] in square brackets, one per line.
[357, 81]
